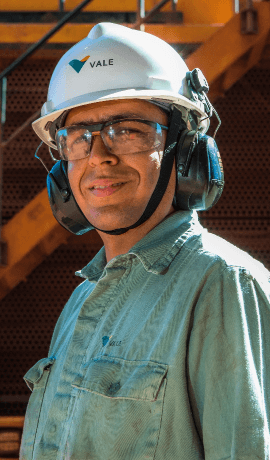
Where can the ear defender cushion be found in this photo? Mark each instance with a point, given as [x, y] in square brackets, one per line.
[63, 204]
[199, 172]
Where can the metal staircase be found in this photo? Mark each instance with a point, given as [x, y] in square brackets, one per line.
[228, 54]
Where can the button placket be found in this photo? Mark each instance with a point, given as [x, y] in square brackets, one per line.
[83, 342]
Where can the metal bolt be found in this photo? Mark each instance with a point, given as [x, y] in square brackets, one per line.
[64, 193]
[181, 168]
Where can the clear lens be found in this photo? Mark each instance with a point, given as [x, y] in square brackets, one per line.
[123, 137]
[130, 137]
[73, 143]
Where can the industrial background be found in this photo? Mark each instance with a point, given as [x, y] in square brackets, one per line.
[230, 42]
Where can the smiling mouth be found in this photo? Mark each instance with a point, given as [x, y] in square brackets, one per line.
[102, 187]
[106, 190]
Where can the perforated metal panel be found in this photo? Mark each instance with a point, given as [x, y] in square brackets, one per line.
[242, 214]
[24, 176]
[244, 144]
[30, 311]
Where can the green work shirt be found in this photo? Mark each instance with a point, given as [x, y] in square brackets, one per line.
[162, 353]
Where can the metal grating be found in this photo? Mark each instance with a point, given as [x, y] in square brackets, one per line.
[28, 317]
[24, 176]
[30, 311]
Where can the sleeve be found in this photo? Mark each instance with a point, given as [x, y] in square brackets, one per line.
[228, 366]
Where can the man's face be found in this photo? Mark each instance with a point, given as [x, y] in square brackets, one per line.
[122, 205]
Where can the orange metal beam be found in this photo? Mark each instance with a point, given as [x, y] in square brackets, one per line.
[206, 11]
[228, 54]
[242, 65]
[16, 421]
[202, 12]
[31, 235]
[53, 5]
[72, 33]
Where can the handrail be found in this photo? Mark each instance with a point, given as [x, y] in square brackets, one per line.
[236, 6]
[155, 9]
[48, 35]
[61, 6]
[17, 131]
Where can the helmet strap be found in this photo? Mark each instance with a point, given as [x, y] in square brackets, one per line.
[175, 126]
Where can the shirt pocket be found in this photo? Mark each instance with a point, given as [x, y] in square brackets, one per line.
[117, 410]
[36, 379]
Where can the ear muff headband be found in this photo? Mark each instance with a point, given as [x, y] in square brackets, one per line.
[66, 209]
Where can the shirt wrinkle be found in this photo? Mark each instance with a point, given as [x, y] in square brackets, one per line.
[173, 367]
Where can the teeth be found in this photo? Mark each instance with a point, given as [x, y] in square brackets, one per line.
[105, 186]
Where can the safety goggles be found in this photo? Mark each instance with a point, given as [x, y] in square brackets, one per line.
[125, 136]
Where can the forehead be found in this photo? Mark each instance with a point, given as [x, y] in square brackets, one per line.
[110, 110]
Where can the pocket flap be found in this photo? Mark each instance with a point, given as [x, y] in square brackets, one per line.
[35, 373]
[118, 378]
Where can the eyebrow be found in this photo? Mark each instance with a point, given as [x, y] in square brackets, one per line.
[120, 116]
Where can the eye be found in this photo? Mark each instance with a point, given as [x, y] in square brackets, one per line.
[83, 138]
[132, 133]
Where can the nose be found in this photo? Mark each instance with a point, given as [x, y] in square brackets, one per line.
[99, 153]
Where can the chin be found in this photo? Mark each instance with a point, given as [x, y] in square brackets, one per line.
[107, 220]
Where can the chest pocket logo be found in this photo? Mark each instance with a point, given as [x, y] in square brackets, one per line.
[117, 409]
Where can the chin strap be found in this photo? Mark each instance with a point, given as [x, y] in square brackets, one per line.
[175, 126]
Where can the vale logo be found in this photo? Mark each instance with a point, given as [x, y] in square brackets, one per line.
[78, 65]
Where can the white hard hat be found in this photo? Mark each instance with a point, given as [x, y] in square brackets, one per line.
[116, 62]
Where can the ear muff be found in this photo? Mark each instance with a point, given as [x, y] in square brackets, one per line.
[64, 206]
[199, 172]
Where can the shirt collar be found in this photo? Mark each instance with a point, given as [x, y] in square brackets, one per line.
[156, 250]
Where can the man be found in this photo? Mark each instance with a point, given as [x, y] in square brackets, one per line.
[162, 351]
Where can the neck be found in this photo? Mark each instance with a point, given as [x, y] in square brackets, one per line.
[121, 244]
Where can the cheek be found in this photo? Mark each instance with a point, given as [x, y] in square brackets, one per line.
[150, 171]
[71, 167]
[74, 175]
[71, 174]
